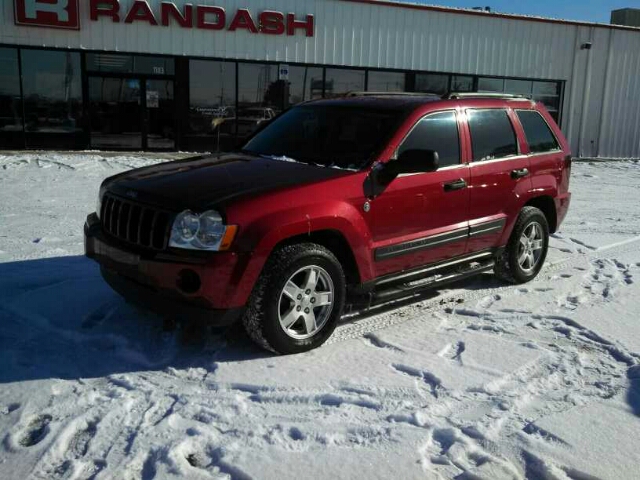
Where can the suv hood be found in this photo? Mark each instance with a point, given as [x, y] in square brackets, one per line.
[213, 181]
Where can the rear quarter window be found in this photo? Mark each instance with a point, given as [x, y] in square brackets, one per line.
[539, 136]
[492, 135]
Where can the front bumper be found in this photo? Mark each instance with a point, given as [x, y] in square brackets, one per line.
[155, 281]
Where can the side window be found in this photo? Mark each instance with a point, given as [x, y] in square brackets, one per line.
[539, 136]
[438, 132]
[492, 135]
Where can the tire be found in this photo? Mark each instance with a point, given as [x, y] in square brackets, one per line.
[509, 265]
[270, 308]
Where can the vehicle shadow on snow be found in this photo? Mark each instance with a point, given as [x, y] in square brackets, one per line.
[59, 319]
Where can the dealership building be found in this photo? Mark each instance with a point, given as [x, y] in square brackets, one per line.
[201, 75]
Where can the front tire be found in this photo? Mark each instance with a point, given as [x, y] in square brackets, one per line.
[526, 252]
[297, 301]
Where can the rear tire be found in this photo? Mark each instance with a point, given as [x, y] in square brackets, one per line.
[526, 252]
[297, 301]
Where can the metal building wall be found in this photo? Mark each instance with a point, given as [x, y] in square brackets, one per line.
[602, 90]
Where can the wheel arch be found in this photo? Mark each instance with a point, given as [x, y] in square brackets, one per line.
[547, 206]
[336, 243]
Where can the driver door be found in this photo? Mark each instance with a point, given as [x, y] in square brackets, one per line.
[420, 219]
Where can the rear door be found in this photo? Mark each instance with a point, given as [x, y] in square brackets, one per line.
[499, 175]
[550, 164]
[420, 219]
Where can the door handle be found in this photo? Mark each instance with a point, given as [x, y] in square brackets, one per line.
[516, 174]
[453, 186]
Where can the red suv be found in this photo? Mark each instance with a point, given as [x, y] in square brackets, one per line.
[344, 202]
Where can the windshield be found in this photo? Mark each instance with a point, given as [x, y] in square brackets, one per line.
[331, 136]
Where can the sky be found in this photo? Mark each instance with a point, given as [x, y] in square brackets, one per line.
[584, 10]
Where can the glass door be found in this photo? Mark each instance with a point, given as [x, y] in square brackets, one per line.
[159, 115]
[116, 112]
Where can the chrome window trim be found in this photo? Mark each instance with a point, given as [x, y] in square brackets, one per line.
[443, 169]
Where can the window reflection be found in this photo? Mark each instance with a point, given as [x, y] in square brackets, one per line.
[10, 101]
[212, 109]
[461, 83]
[491, 85]
[386, 82]
[341, 81]
[305, 83]
[117, 63]
[260, 96]
[432, 83]
[52, 92]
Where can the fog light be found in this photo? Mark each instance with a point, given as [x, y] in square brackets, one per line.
[189, 281]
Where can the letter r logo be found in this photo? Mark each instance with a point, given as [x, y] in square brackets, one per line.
[48, 13]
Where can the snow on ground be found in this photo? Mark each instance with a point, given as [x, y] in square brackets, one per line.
[482, 380]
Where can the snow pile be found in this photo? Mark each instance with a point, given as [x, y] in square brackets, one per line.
[479, 381]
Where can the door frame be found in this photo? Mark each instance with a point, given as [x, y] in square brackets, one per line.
[144, 114]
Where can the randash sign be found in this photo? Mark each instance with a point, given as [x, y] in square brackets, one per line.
[66, 14]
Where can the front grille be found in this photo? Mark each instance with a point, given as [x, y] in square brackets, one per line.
[135, 224]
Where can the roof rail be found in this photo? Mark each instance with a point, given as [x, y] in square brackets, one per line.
[390, 94]
[505, 96]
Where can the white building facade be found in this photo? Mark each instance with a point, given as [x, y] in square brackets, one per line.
[202, 74]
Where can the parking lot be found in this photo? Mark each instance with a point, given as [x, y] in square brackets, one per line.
[482, 380]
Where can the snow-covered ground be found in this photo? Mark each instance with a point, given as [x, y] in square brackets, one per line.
[479, 381]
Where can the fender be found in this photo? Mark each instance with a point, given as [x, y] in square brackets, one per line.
[261, 237]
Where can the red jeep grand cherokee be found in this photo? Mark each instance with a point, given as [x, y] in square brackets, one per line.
[351, 201]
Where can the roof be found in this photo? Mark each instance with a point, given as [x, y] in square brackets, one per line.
[379, 102]
[465, 11]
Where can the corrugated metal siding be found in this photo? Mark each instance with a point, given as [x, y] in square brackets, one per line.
[597, 122]
[347, 34]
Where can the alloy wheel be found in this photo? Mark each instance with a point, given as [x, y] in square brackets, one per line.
[531, 247]
[306, 302]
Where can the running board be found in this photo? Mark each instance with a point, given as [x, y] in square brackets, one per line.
[409, 284]
[410, 289]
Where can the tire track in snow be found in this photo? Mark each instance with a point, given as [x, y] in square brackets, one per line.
[354, 328]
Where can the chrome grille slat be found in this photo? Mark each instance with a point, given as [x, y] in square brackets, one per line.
[135, 224]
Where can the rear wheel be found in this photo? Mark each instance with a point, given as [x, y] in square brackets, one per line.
[524, 255]
[297, 300]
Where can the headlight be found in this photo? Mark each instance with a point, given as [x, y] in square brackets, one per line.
[201, 232]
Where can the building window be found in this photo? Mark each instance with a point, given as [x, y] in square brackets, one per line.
[492, 135]
[305, 83]
[461, 83]
[518, 87]
[341, 81]
[548, 93]
[437, 132]
[212, 103]
[491, 85]
[260, 96]
[10, 99]
[432, 83]
[386, 81]
[52, 90]
[539, 136]
[116, 63]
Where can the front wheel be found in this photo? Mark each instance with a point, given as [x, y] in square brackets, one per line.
[524, 255]
[297, 300]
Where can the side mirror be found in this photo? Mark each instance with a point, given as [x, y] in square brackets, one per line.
[414, 161]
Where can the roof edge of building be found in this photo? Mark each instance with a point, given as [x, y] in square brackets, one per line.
[482, 13]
